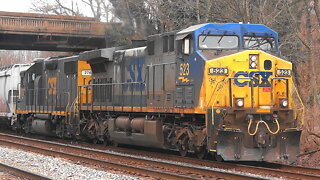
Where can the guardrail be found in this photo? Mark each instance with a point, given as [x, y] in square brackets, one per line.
[28, 23]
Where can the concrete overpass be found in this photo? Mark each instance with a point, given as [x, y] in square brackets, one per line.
[27, 31]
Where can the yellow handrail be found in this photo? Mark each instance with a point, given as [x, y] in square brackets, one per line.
[222, 81]
[300, 100]
[215, 99]
[220, 86]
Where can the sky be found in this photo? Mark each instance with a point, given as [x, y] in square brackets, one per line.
[15, 5]
[26, 5]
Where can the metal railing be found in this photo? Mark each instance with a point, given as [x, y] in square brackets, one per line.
[34, 23]
[220, 85]
[113, 94]
[289, 94]
[46, 99]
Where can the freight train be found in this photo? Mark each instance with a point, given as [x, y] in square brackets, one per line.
[219, 89]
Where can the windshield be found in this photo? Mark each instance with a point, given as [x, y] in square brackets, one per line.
[259, 42]
[218, 42]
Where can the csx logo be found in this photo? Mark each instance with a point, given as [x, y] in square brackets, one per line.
[258, 78]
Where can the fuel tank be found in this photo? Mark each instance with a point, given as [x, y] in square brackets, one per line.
[137, 124]
[41, 126]
[123, 123]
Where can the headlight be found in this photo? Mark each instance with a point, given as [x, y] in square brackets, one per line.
[253, 65]
[239, 102]
[283, 72]
[284, 103]
[218, 71]
[253, 61]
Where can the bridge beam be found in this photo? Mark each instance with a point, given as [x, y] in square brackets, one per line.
[29, 31]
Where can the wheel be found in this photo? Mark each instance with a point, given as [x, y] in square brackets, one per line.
[183, 150]
[215, 157]
[218, 157]
[106, 139]
[105, 142]
[115, 144]
[201, 153]
[95, 141]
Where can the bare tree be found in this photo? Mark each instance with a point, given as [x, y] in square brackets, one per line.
[99, 8]
[56, 7]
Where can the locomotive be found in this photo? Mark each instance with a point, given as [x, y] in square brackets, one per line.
[219, 89]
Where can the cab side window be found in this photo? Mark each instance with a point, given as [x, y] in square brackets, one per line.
[150, 48]
[168, 43]
[187, 45]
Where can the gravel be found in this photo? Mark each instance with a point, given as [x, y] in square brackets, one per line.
[54, 168]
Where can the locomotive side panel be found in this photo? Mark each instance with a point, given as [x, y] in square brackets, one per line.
[118, 77]
[161, 70]
[133, 70]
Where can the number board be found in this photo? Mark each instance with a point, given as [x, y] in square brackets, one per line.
[218, 71]
[184, 69]
[86, 72]
[283, 72]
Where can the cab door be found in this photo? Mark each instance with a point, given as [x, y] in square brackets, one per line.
[84, 78]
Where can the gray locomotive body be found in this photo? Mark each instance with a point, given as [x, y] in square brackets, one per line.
[48, 88]
[140, 99]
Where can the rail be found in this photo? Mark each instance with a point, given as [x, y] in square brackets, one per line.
[22, 173]
[141, 165]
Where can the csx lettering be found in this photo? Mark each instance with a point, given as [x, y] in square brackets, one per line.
[258, 78]
[184, 69]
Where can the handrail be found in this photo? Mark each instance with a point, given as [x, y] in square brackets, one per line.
[220, 86]
[287, 87]
[290, 93]
[109, 84]
[251, 88]
[214, 91]
[300, 100]
[50, 98]
[122, 87]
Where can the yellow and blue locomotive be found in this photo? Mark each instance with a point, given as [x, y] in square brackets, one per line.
[211, 88]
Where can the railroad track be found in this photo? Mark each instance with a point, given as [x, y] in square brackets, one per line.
[272, 170]
[21, 173]
[141, 166]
